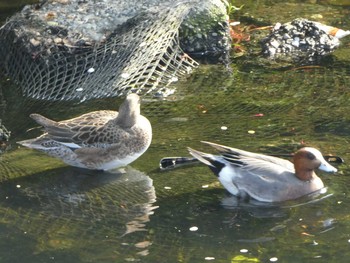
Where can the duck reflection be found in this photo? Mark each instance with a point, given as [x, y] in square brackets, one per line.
[271, 210]
[68, 207]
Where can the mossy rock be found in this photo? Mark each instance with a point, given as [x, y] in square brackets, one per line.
[205, 31]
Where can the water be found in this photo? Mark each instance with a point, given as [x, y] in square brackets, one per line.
[53, 213]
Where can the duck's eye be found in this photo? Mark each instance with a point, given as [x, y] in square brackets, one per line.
[310, 156]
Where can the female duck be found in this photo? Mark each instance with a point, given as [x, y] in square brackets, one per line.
[265, 178]
[99, 140]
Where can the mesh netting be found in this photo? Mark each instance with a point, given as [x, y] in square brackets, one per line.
[142, 54]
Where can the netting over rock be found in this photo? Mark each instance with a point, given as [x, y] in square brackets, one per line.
[205, 34]
[302, 41]
[72, 49]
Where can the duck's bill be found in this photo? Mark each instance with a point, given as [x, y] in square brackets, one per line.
[327, 168]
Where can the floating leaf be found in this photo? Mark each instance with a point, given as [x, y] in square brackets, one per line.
[241, 258]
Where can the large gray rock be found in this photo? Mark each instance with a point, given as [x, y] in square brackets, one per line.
[77, 49]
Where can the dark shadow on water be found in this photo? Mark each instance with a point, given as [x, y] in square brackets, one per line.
[73, 208]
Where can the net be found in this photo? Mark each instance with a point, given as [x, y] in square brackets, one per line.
[83, 55]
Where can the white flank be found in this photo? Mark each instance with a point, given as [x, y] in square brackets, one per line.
[116, 163]
[225, 178]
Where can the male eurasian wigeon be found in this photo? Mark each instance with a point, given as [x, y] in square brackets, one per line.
[99, 140]
[265, 178]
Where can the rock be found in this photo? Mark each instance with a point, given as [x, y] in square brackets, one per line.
[76, 35]
[204, 34]
[34, 42]
[301, 41]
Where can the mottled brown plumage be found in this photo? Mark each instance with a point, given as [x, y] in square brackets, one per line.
[100, 140]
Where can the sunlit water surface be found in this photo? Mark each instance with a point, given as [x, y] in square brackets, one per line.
[53, 213]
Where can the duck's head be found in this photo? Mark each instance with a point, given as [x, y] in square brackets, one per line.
[129, 110]
[306, 160]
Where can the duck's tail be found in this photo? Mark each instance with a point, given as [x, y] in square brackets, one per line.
[40, 143]
[205, 158]
[43, 121]
[214, 162]
[32, 144]
[26, 143]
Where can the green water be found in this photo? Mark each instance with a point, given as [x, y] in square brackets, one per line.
[53, 213]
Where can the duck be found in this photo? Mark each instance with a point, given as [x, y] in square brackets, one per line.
[265, 178]
[98, 140]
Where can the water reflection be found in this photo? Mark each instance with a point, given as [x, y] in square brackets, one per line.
[70, 216]
[67, 208]
[208, 224]
[272, 210]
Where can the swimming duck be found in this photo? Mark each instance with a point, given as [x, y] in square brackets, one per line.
[99, 140]
[265, 178]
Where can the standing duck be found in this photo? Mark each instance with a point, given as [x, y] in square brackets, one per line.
[99, 140]
[265, 178]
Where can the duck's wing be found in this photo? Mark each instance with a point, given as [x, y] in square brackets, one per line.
[233, 155]
[259, 167]
[270, 182]
[83, 130]
[262, 180]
